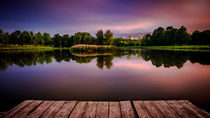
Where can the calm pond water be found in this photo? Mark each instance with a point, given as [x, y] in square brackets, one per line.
[124, 75]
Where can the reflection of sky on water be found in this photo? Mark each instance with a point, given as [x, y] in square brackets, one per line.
[127, 79]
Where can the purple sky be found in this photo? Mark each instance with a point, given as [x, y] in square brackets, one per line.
[70, 16]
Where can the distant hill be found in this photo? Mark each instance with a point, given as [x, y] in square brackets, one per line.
[133, 35]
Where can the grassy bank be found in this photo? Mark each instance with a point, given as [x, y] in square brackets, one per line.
[178, 48]
[30, 48]
[98, 48]
[93, 48]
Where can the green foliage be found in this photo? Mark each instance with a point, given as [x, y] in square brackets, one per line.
[127, 42]
[200, 38]
[6, 38]
[93, 48]
[57, 40]
[182, 37]
[159, 37]
[24, 38]
[146, 39]
[83, 38]
[170, 36]
[47, 39]
[100, 37]
[1, 36]
[108, 37]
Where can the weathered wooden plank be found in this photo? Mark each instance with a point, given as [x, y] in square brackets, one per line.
[102, 110]
[114, 110]
[181, 110]
[72, 109]
[2, 114]
[154, 111]
[79, 110]
[41, 109]
[127, 109]
[24, 112]
[66, 109]
[141, 109]
[90, 111]
[166, 109]
[16, 109]
[53, 109]
[193, 109]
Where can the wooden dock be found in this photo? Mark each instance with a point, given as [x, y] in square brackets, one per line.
[116, 109]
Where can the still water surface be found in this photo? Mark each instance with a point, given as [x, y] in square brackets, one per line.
[125, 75]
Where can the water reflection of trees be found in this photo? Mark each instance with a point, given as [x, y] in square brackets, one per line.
[27, 58]
[165, 58]
[175, 58]
[158, 58]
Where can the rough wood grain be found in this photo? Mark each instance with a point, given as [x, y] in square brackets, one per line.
[124, 109]
[181, 110]
[90, 111]
[201, 111]
[166, 109]
[52, 110]
[127, 109]
[114, 110]
[141, 109]
[16, 109]
[24, 112]
[154, 111]
[79, 110]
[2, 114]
[41, 109]
[102, 110]
[193, 109]
[66, 109]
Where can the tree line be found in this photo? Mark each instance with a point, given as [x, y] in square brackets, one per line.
[174, 36]
[45, 39]
[159, 37]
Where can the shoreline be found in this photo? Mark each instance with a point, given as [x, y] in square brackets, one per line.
[203, 48]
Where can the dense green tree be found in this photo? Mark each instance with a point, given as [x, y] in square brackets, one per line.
[47, 39]
[82, 38]
[146, 40]
[206, 37]
[158, 36]
[182, 37]
[65, 40]
[57, 40]
[108, 37]
[169, 38]
[100, 37]
[200, 38]
[13, 38]
[39, 38]
[24, 38]
[6, 38]
[31, 37]
[78, 38]
[1, 36]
